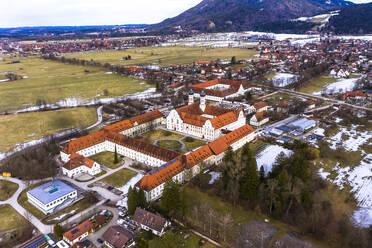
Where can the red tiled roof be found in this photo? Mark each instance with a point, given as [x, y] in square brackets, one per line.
[260, 105]
[117, 236]
[84, 142]
[74, 233]
[160, 175]
[77, 160]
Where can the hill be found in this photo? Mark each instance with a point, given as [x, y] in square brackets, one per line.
[238, 15]
[356, 19]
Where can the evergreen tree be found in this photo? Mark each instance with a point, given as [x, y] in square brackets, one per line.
[116, 159]
[283, 178]
[233, 60]
[133, 202]
[250, 180]
[262, 173]
[142, 199]
[58, 231]
[171, 200]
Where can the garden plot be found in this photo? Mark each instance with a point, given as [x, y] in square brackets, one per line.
[267, 157]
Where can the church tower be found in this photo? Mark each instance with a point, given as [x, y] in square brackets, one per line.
[202, 101]
[191, 97]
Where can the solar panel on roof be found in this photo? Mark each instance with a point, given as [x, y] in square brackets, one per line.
[36, 243]
[75, 231]
[163, 166]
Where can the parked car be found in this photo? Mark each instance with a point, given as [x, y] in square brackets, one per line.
[100, 241]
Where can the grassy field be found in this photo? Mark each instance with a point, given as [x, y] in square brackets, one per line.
[119, 178]
[178, 239]
[7, 189]
[192, 143]
[53, 81]
[162, 134]
[165, 55]
[10, 219]
[170, 144]
[317, 84]
[33, 126]
[106, 159]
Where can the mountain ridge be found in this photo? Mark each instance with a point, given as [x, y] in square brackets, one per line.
[240, 15]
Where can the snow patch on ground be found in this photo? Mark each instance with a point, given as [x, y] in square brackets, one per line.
[215, 176]
[58, 218]
[267, 157]
[77, 102]
[284, 79]
[323, 174]
[354, 139]
[130, 183]
[341, 86]
[360, 181]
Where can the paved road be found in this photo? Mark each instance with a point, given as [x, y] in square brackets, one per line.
[99, 116]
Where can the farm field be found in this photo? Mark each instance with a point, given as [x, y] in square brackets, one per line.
[7, 189]
[10, 219]
[33, 126]
[119, 178]
[165, 55]
[55, 82]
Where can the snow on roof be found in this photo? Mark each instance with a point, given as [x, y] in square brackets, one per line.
[51, 191]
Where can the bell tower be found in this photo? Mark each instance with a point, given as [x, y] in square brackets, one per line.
[191, 97]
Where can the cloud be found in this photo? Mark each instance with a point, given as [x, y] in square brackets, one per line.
[89, 12]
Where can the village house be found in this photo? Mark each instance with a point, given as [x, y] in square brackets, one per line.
[78, 233]
[149, 221]
[118, 237]
[260, 107]
[259, 119]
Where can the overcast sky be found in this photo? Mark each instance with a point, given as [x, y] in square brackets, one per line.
[17, 13]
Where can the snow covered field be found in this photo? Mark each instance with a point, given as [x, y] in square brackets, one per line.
[267, 157]
[358, 178]
[341, 86]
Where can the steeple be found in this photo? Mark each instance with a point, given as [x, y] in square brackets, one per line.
[191, 96]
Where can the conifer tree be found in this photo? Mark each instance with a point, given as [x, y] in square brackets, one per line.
[170, 200]
[262, 173]
[132, 200]
[250, 180]
[116, 159]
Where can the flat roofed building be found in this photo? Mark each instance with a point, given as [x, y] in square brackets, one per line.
[49, 196]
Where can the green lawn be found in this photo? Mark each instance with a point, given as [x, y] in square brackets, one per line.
[165, 55]
[33, 126]
[119, 178]
[22, 200]
[7, 189]
[10, 219]
[53, 81]
[107, 159]
[192, 143]
[317, 84]
[162, 134]
[177, 239]
[170, 144]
